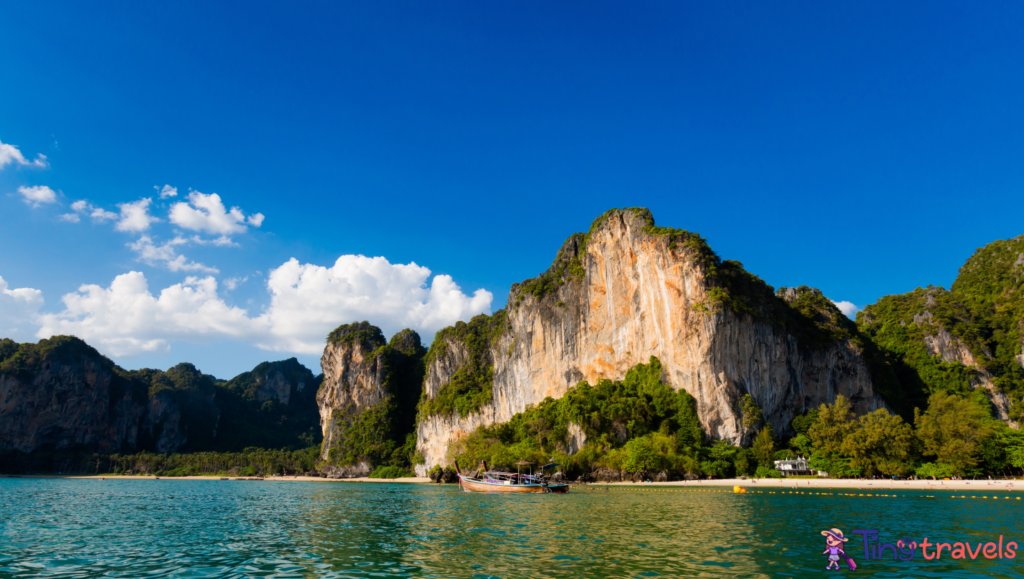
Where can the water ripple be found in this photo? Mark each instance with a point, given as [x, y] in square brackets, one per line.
[229, 529]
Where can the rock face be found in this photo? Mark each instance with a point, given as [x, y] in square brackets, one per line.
[368, 397]
[620, 294]
[68, 398]
[353, 383]
[61, 394]
[949, 348]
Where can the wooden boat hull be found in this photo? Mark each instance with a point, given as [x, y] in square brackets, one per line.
[475, 486]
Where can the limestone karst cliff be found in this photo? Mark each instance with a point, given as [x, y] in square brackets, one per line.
[628, 290]
[966, 340]
[61, 394]
[368, 398]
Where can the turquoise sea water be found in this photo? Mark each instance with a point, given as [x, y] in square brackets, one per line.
[169, 528]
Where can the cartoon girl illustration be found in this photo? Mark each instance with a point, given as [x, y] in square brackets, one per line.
[834, 540]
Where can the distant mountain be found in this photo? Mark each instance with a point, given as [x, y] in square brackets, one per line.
[61, 394]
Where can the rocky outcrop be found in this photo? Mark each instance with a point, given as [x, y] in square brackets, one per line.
[575, 439]
[368, 397]
[67, 396]
[627, 291]
[353, 380]
[949, 348]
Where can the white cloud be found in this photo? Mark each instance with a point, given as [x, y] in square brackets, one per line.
[233, 282]
[127, 319]
[307, 302]
[135, 215]
[165, 254]
[10, 154]
[848, 309]
[97, 213]
[18, 308]
[207, 213]
[167, 191]
[100, 214]
[37, 195]
[70, 218]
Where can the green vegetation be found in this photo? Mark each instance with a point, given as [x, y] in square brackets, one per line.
[384, 434]
[637, 425]
[751, 412]
[249, 418]
[249, 462]
[991, 286]
[390, 472]
[472, 384]
[984, 311]
[363, 333]
[954, 437]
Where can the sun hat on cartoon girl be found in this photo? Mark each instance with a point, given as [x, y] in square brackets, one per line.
[835, 534]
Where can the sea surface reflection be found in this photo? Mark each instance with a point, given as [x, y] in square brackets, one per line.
[175, 528]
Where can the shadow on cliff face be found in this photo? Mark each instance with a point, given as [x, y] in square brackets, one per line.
[62, 394]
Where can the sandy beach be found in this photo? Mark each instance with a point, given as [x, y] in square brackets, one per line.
[805, 484]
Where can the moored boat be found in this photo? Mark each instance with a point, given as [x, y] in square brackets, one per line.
[488, 481]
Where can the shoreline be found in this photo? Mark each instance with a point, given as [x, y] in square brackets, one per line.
[1002, 485]
[115, 477]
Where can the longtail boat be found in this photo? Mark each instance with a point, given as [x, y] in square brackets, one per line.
[489, 481]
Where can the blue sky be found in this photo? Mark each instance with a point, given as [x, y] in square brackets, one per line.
[864, 149]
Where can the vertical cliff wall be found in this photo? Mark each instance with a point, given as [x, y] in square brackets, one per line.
[628, 290]
[368, 398]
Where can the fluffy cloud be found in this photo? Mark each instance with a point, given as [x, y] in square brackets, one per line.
[127, 319]
[134, 216]
[166, 255]
[207, 213]
[97, 213]
[848, 309]
[307, 302]
[18, 309]
[100, 214]
[10, 154]
[38, 195]
[167, 191]
[70, 218]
